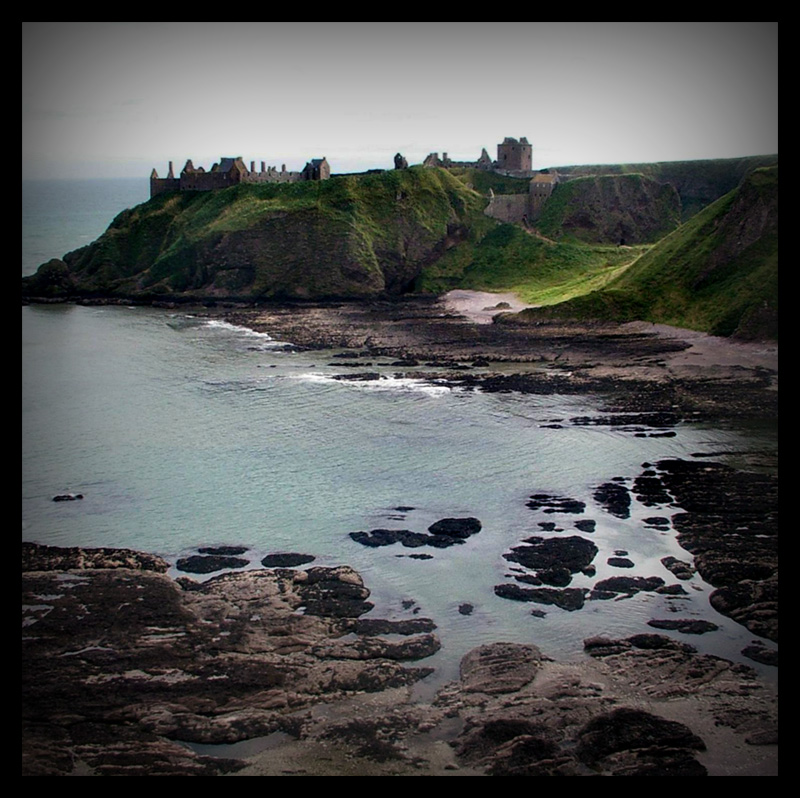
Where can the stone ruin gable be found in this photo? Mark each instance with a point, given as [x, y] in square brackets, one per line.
[228, 172]
[317, 169]
[484, 161]
[161, 184]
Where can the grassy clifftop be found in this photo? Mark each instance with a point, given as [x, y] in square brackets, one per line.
[349, 236]
[717, 273]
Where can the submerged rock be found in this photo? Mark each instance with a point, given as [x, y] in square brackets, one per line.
[286, 560]
[456, 527]
[570, 599]
[615, 498]
[554, 559]
[208, 563]
[689, 626]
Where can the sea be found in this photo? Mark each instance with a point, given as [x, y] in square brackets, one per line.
[182, 431]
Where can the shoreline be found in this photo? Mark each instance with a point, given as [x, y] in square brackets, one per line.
[187, 668]
[166, 690]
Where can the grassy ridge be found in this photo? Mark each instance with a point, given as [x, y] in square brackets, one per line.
[698, 183]
[717, 273]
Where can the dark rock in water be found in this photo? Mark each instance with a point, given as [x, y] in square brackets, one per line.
[615, 498]
[207, 564]
[626, 585]
[419, 556]
[379, 626]
[404, 509]
[548, 526]
[585, 525]
[456, 527]
[730, 524]
[632, 742]
[620, 562]
[364, 376]
[225, 551]
[528, 579]
[573, 553]
[37, 557]
[672, 590]
[650, 491]
[600, 646]
[465, 609]
[657, 520]
[681, 569]
[758, 652]
[333, 592]
[387, 537]
[557, 576]
[687, 626]
[67, 497]
[555, 504]
[570, 599]
[286, 560]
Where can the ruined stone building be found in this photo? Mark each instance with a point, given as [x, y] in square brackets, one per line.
[523, 208]
[514, 158]
[232, 171]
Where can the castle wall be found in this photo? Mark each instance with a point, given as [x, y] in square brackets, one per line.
[510, 208]
[158, 185]
[541, 188]
[207, 181]
[273, 175]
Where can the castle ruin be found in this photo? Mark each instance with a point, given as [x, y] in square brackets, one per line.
[514, 159]
[232, 171]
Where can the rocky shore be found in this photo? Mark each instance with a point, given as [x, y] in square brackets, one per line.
[127, 671]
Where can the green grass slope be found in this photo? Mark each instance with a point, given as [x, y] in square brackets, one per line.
[505, 257]
[717, 273]
[350, 236]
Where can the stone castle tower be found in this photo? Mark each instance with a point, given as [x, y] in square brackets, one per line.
[514, 156]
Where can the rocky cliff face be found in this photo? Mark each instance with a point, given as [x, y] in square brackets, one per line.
[612, 209]
[355, 236]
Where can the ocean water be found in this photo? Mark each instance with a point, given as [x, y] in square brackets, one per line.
[182, 432]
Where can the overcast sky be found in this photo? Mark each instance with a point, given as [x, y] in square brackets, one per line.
[118, 99]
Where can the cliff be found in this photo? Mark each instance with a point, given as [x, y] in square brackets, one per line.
[611, 209]
[717, 273]
[353, 236]
[698, 183]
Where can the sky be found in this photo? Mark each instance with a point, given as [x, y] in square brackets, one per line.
[103, 99]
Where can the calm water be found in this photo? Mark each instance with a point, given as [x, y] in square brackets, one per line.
[183, 432]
